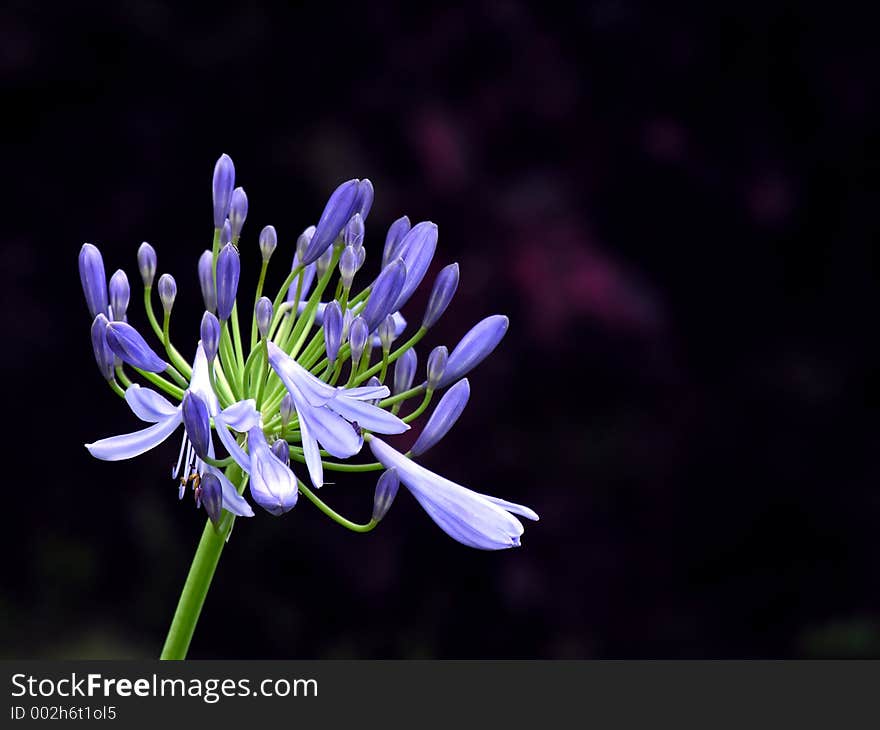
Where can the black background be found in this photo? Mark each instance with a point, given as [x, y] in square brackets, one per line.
[676, 206]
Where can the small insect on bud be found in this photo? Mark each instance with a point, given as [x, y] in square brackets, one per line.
[357, 338]
[206, 281]
[228, 272]
[128, 345]
[353, 235]
[387, 332]
[197, 422]
[146, 257]
[119, 295]
[405, 371]
[444, 416]
[385, 292]
[238, 208]
[268, 242]
[332, 330]
[444, 289]
[281, 449]
[93, 278]
[103, 354]
[224, 182]
[167, 292]
[286, 409]
[339, 209]
[386, 491]
[264, 315]
[437, 366]
[348, 266]
[209, 494]
[210, 334]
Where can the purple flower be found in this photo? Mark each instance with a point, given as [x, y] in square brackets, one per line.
[167, 292]
[146, 258]
[444, 417]
[206, 281]
[120, 292]
[405, 371]
[395, 235]
[228, 272]
[327, 414]
[348, 266]
[238, 208]
[385, 292]
[268, 242]
[474, 347]
[103, 353]
[264, 315]
[224, 182]
[357, 339]
[197, 423]
[281, 449]
[339, 209]
[444, 289]
[386, 491]
[273, 486]
[332, 330]
[364, 198]
[130, 347]
[437, 361]
[416, 249]
[209, 494]
[476, 520]
[210, 334]
[93, 278]
[353, 235]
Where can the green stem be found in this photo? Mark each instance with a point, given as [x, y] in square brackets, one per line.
[333, 515]
[198, 581]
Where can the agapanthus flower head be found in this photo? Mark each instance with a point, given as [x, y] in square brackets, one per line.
[120, 292]
[329, 369]
[146, 257]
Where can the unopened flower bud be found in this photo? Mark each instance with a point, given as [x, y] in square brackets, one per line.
[386, 491]
[210, 496]
[228, 272]
[167, 292]
[387, 332]
[365, 198]
[286, 409]
[268, 242]
[302, 242]
[444, 289]
[226, 233]
[405, 371]
[130, 347]
[224, 182]
[93, 278]
[119, 295]
[354, 232]
[332, 330]
[416, 249]
[385, 292]
[103, 354]
[323, 262]
[146, 257]
[206, 281]
[437, 366]
[444, 416]
[210, 335]
[357, 338]
[264, 315]
[474, 347]
[395, 235]
[238, 208]
[348, 266]
[281, 449]
[197, 422]
[339, 209]
[347, 318]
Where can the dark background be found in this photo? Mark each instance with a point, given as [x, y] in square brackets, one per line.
[677, 208]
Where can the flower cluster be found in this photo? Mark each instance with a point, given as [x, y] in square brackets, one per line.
[314, 381]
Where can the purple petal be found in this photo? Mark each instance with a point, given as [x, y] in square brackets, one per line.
[129, 445]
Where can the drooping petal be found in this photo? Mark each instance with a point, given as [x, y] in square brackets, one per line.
[311, 453]
[231, 445]
[148, 405]
[232, 501]
[368, 416]
[129, 445]
[272, 483]
[462, 513]
[294, 376]
[241, 416]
